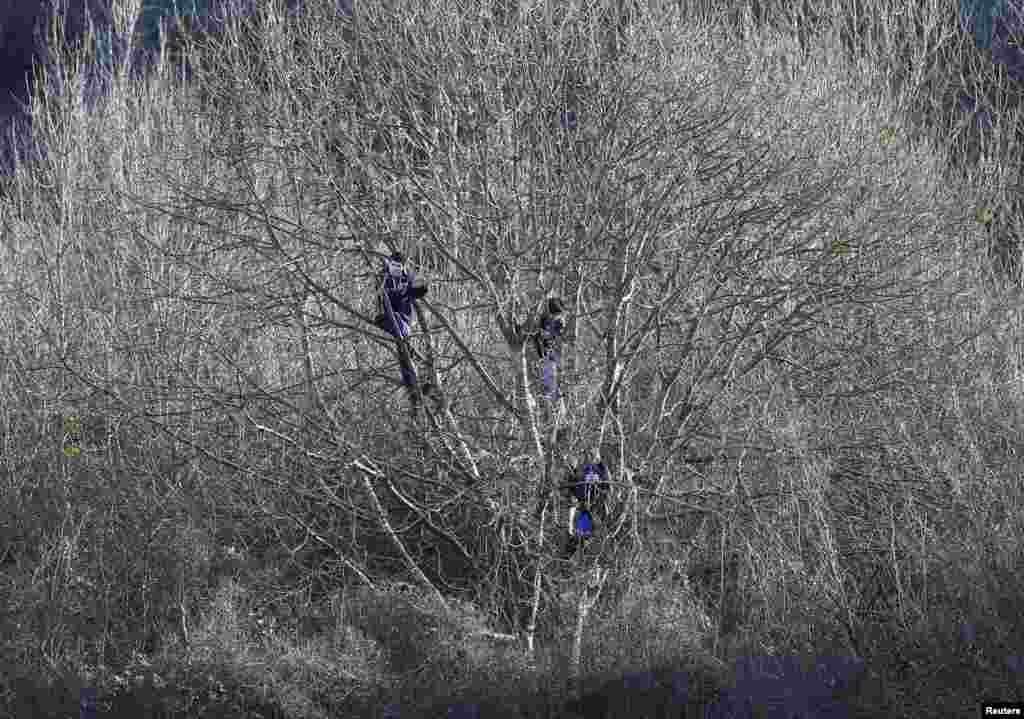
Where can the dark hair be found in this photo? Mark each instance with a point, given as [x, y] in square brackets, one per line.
[398, 257]
[554, 306]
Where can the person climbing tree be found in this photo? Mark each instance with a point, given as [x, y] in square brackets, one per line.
[582, 529]
[548, 342]
[399, 291]
[587, 484]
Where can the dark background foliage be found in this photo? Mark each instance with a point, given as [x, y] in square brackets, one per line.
[23, 29]
[996, 26]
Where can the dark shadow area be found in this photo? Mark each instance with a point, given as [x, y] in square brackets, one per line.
[24, 29]
[828, 687]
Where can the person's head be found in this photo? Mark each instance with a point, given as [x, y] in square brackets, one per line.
[393, 265]
[582, 458]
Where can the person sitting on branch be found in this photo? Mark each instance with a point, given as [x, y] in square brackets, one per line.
[548, 340]
[587, 485]
[399, 290]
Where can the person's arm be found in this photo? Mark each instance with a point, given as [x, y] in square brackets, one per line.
[571, 480]
[418, 287]
[537, 334]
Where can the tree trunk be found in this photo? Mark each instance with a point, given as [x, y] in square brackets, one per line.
[531, 628]
[589, 594]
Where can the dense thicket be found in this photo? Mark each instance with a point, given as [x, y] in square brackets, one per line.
[782, 338]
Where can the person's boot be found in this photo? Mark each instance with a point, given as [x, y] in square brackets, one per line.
[413, 352]
[437, 398]
[571, 545]
[414, 401]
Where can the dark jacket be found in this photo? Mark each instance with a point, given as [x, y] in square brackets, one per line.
[399, 292]
[549, 337]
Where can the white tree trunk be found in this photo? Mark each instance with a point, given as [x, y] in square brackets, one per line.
[589, 593]
[531, 628]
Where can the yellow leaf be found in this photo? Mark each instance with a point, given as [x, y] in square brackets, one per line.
[72, 452]
[887, 136]
[984, 215]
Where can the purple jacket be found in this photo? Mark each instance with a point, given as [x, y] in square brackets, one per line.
[590, 482]
[398, 299]
[547, 339]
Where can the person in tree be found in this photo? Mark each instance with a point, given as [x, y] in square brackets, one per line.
[587, 484]
[548, 340]
[400, 288]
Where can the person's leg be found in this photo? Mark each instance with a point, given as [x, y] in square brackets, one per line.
[571, 545]
[404, 352]
[408, 372]
[551, 376]
[572, 541]
[405, 365]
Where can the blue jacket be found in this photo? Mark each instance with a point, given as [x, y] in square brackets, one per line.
[588, 487]
[583, 524]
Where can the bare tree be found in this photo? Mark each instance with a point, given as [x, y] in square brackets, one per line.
[223, 307]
